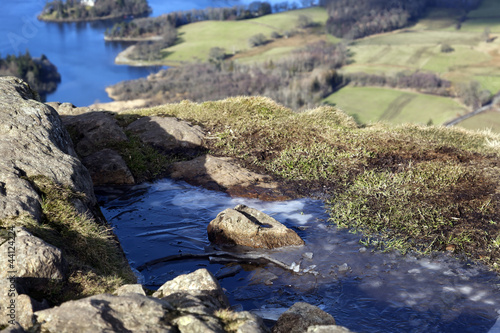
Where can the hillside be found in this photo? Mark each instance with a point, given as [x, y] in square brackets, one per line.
[472, 65]
[449, 55]
[408, 187]
[196, 39]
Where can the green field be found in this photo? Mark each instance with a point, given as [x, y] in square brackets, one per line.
[418, 48]
[421, 50]
[487, 120]
[197, 39]
[372, 104]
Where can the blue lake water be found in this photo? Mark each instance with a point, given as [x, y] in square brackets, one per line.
[84, 60]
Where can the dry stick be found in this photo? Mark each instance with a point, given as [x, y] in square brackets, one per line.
[244, 257]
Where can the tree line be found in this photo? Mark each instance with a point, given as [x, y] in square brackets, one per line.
[75, 10]
[157, 26]
[299, 81]
[356, 19]
[470, 93]
[40, 73]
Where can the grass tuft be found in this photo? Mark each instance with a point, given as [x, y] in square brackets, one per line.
[96, 263]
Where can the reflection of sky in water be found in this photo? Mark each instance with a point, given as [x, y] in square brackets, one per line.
[363, 290]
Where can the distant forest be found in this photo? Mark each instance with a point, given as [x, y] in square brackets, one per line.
[356, 19]
[40, 73]
[75, 10]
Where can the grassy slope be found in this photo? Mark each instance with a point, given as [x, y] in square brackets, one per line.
[415, 187]
[418, 48]
[372, 104]
[197, 39]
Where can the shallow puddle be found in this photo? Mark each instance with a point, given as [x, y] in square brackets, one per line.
[365, 290]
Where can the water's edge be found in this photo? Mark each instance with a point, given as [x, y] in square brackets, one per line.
[365, 291]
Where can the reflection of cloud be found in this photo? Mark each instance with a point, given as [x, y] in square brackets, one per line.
[430, 265]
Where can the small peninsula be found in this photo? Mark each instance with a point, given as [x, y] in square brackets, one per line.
[40, 73]
[92, 10]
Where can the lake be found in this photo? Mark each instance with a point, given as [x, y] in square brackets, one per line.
[84, 60]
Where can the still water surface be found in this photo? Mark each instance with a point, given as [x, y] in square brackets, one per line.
[364, 290]
[84, 60]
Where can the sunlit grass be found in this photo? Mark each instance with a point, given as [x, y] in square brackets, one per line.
[372, 104]
[196, 39]
[405, 187]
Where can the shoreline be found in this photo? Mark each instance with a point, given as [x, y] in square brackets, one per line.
[131, 39]
[91, 19]
[123, 59]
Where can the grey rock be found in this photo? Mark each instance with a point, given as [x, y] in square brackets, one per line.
[35, 261]
[26, 307]
[201, 284]
[300, 317]
[130, 289]
[249, 227]
[247, 322]
[93, 130]
[34, 258]
[67, 108]
[17, 195]
[194, 324]
[17, 307]
[167, 132]
[108, 313]
[31, 132]
[218, 172]
[107, 167]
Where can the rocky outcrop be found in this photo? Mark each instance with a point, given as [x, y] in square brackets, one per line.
[108, 313]
[34, 258]
[201, 284]
[130, 289]
[36, 152]
[107, 167]
[33, 142]
[249, 227]
[167, 133]
[300, 317]
[190, 303]
[93, 131]
[97, 135]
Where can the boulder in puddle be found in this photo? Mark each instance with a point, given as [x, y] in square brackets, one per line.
[249, 227]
